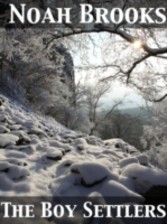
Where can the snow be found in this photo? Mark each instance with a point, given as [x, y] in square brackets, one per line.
[4, 129]
[143, 160]
[40, 157]
[80, 141]
[115, 189]
[81, 144]
[22, 136]
[15, 154]
[53, 154]
[4, 166]
[92, 172]
[7, 139]
[127, 161]
[145, 177]
[17, 173]
[127, 182]
[120, 145]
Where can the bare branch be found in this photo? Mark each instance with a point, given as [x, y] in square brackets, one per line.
[150, 52]
[160, 99]
[130, 70]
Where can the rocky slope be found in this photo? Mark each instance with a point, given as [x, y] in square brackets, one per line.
[38, 157]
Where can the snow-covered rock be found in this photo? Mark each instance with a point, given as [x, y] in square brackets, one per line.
[127, 161]
[92, 172]
[38, 156]
[143, 160]
[145, 177]
[115, 189]
[120, 144]
[53, 154]
[8, 139]
[4, 129]
[17, 173]
[4, 166]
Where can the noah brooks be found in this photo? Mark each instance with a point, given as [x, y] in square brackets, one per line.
[117, 15]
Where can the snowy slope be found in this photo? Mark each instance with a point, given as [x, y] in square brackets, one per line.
[40, 157]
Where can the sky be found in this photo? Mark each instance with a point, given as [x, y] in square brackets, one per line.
[93, 55]
[132, 98]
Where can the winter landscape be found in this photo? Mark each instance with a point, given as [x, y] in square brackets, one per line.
[83, 114]
[40, 157]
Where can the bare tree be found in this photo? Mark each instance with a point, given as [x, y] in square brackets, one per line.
[150, 54]
[152, 49]
[89, 94]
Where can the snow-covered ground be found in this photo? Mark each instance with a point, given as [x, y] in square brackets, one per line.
[40, 157]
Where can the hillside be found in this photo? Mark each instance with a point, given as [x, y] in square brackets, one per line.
[39, 157]
[137, 112]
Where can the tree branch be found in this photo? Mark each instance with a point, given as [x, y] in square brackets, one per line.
[150, 52]
[160, 99]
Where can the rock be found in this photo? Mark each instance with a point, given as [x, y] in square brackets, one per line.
[127, 161]
[8, 139]
[4, 129]
[4, 166]
[53, 154]
[91, 173]
[143, 160]
[23, 137]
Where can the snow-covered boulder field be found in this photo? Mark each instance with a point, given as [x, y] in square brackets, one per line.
[40, 157]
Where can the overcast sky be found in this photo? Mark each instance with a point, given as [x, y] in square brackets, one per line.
[132, 98]
[93, 54]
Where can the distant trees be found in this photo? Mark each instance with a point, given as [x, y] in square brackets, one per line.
[82, 115]
[155, 133]
[154, 138]
[110, 122]
[120, 125]
[91, 99]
